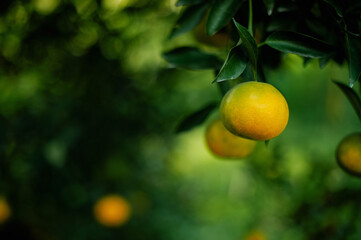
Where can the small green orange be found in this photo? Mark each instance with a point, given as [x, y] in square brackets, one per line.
[254, 110]
[225, 144]
[348, 154]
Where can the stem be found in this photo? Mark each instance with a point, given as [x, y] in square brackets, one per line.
[250, 18]
[250, 29]
[261, 44]
[255, 76]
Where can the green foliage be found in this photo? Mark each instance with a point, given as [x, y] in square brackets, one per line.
[269, 6]
[191, 16]
[354, 54]
[234, 65]
[196, 118]
[192, 58]
[188, 2]
[327, 30]
[249, 43]
[300, 44]
[221, 13]
[352, 97]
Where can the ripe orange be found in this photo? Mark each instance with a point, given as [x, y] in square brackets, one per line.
[224, 144]
[112, 210]
[348, 154]
[254, 110]
[5, 210]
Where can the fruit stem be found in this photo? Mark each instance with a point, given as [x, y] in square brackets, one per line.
[255, 76]
[250, 18]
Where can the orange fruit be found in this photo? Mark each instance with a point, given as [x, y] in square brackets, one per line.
[112, 210]
[225, 144]
[254, 110]
[256, 235]
[348, 154]
[5, 210]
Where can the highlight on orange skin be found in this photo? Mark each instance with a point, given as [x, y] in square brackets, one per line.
[225, 144]
[112, 210]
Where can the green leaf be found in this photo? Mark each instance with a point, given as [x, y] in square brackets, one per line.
[247, 75]
[354, 56]
[248, 42]
[192, 58]
[224, 87]
[306, 60]
[351, 96]
[234, 65]
[269, 6]
[188, 2]
[196, 118]
[322, 62]
[191, 16]
[345, 7]
[337, 6]
[221, 14]
[300, 44]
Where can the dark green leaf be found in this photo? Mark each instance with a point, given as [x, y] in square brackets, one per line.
[224, 87]
[221, 14]
[191, 16]
[269, 6]
[234, 65]
[196, 118]
[266, 143]
[247, 75]
[300, 44]
[322, 62]
[188, 2]
[306, 60]
[286, 6]
[351, 96]
[280, 22]
[192, 58]
[337, 6]
[248, 42]
[354, 56]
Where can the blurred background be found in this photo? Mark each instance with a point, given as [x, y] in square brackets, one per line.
[88, 108]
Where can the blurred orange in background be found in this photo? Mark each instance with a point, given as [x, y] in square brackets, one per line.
[112, 210]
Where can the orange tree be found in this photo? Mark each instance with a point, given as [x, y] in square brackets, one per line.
[261, 31]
